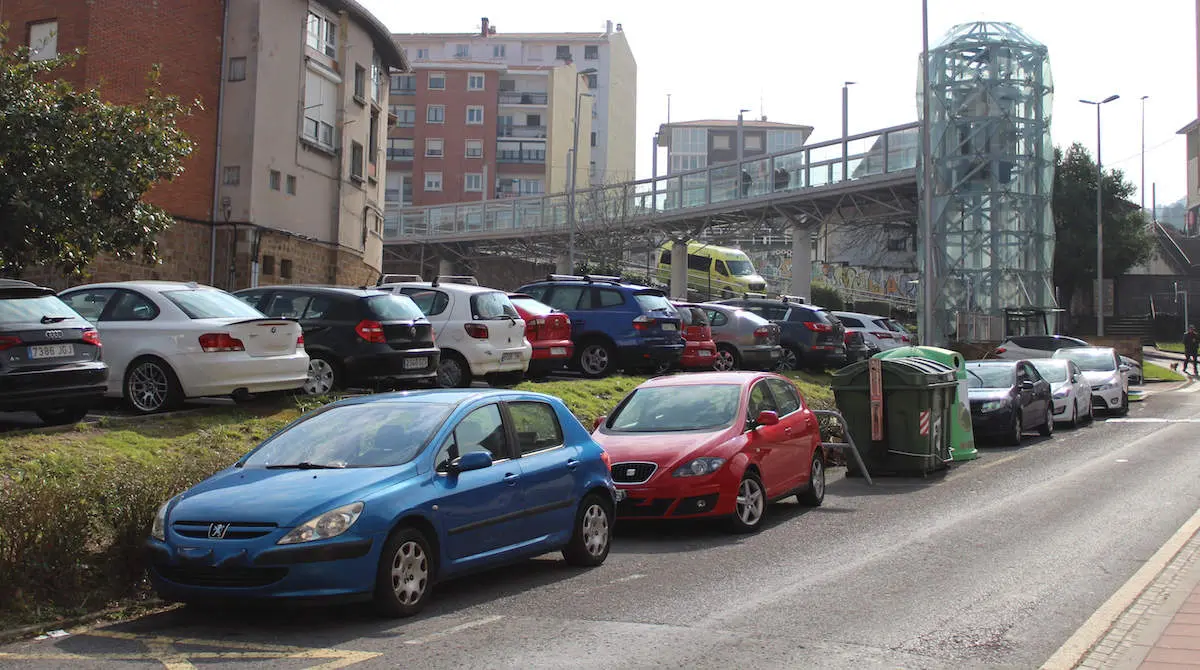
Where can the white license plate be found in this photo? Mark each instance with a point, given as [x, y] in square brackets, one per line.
[52, 351]
[705, 352]
[558, 351]
[669, 326]
[512, 356]
[774, 354]
[416, 363]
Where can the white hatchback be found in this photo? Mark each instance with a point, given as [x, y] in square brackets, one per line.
[477, 329]
[167, 341]
[1069, 390]
[877, 331]
[1105, 372]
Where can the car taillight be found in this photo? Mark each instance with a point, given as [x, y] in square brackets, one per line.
[476, 330]
[91, 336]
[300, 341]
[371, 331]
[882, 336]
[642, 322]
[1000, 350]
[818, 327]
[9, 341]
[762, 331]
[217, 342]
[848, 337]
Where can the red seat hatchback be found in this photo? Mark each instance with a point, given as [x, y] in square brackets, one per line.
[549, 333]
[700, 351]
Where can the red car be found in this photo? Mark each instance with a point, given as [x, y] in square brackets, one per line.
[699, 350]
[548, 331]
[720, 444]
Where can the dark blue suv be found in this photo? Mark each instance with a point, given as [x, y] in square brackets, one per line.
[613, 324]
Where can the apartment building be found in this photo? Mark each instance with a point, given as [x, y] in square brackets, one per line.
[607, 74]
[693, 145]
[287, 181]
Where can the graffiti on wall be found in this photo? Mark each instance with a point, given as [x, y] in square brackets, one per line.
[884, 281]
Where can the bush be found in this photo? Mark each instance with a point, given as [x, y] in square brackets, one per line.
[827, 297]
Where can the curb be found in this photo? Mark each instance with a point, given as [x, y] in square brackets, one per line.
[1094, 629]
[151, 606]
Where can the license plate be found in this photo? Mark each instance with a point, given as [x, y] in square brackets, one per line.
[512, 356]
[52, 351]
[774, 354]
[669, 326]
[416, 363]
[705, 352]
[558, 351]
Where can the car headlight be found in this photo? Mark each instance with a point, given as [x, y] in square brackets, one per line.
[330, 524]
[699, 467]
[158, 530]
[1059, 395]
[1107, 386]
[992, 405]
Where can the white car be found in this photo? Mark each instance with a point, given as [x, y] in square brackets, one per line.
[1105, 373]
[167, 341]
[1029, 347]
[477, 329]
[877, 331]
[1069, 390]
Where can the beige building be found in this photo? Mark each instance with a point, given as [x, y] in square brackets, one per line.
[304, 119]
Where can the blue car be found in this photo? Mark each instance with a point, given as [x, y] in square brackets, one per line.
[381, 497]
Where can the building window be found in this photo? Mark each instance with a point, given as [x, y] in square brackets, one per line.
[474, 82]
[43, 41]
[437, 81]
[232, 175]
[356, 161]
[897, 244]
[720, 142]
[474, 148]
[406, 115]
[533, 53]
[593, 138]
[435, 147]
[237, 68]
[462, 50]
[533, 120]
[474, 115]
[274, 180]
[435, 114]
[498, 51]
[378, 75]
[268, 265]
[285, 269]
[423, 54]
[322, 33]
[562, 52]
[360, 83]
[592, 170]
[531, 186]
[320, 109]
[399, 149]
[593, 81]
[433, 181]
[373, 146]
[404, 84]
[473, 182]
[754, 142]
[591, 52]
[291, 184]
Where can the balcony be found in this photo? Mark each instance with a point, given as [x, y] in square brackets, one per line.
[400, 154]
[534, 156]
[529, 132]
[523, 98]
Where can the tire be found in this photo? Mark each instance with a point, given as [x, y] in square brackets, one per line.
[505, 379]
[727, 359]
[404, 578]
[660, 368]
[597, 359]
[751, 505]
[62, 416]
[592, 537]
[1091, 415]
[151, 386]
[1013, 439]
[789, 359]
[1124, 408]
[453, 371]
[324, 376]
[814, 494]
[1047, 428]
[1074, 413]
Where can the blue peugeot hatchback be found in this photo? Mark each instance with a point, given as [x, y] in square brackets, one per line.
[381, 497]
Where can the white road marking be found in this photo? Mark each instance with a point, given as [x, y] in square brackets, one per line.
[1147, 419]
[630, 578]
[454, 629]
[1122, 460]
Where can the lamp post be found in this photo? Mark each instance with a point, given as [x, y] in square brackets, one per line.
[741, 143]
[1099, 220]
[929, 274]
[846, 128]
[1142, 187]
[574, 169]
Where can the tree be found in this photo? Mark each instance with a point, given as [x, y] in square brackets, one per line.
[1127, 240]
[74, 169]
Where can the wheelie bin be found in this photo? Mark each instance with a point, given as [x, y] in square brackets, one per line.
[962, 438]
[918, 403]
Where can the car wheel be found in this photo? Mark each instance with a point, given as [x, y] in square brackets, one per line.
[661, 368]
[453, 371]
[1047, 428]
[404, 579]
[1124, 408]
[596, 359]
[789, 359]
[592, 536]
[751, 505]
[814, 494]
[62, 416]
[506, 379]
[1016, 431]
[322, 377]
[151, 386]
[727, 359]
[1074, 413]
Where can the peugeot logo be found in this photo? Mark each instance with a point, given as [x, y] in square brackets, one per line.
[54, 334]
[273, 329]
[216, 531]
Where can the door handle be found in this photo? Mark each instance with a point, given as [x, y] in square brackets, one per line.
[510, 479]
[572, 463]
[788, 430]
[578, 322]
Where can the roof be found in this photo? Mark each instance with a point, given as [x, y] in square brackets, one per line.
[380, 35]
[441, 396]
[450, 286]
[500, 37]
[732, 123]
[595, 282]
[859, 315]
[147, 284]
[695, 378]
[321, 289]
[994, 361]
[1188, 128]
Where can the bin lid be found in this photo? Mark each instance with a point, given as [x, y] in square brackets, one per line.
[908, 372]
[946, 356]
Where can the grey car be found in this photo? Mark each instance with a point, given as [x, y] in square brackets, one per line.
[744, 340]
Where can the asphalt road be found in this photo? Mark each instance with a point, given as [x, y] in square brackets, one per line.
[994, 564]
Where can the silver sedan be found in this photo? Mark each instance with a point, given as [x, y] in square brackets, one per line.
[744, 340]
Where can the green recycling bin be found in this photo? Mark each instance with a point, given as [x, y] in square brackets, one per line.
[962, 438]
[918, 403]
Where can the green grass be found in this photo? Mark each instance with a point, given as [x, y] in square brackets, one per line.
[1173, 347]
[1157, 373]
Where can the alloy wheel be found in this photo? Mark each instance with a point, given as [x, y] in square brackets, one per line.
[148, 386]
[817, 476]
[594, 359]
[750, 502]
[595, 530]
[320, 377]
[724, 362]
[788, 360]
[410, 573]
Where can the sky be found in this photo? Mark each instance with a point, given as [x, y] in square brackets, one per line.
[790, 59]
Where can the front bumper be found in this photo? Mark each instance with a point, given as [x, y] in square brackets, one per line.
[998, 422]
[681, 497]
[1107, 399]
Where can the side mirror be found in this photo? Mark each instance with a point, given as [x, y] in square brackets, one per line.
[1125, 368]
[599, 422]
[767, 418]
[1027, 384]
[476, 460]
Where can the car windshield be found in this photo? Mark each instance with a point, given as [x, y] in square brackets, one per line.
[394, 308]
[740, 268]
[493, 305]
[532, 306]
[1053, 371]
[1089, 360]
[34, 309]
[207, 303]
[363, 435]
[990, 376]
[654, 302]
[663, 409]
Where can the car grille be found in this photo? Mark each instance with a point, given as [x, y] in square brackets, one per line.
[644, 506]
[1097, 388]
[238, 530]
[632, 473]
[245, 578]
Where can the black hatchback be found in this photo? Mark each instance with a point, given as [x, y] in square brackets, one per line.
[812, 337]
[50, 359]
[354, 337]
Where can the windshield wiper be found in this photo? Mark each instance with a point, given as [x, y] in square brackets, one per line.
[54, 319]
[305, 465]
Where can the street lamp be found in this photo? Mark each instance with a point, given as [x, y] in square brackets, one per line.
[741, 142]
[1142, 187]
[846, 128]
[929, 335]
[574, 169]
[1099, 220]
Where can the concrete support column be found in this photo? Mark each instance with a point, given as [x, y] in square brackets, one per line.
[679, 269]
[801, 262]
[562, 265]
